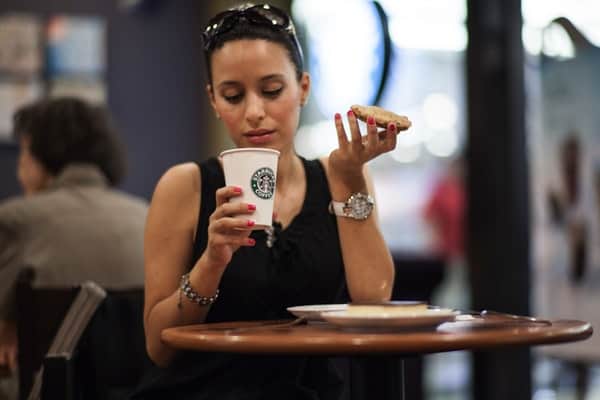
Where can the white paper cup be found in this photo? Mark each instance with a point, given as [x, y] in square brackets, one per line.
[255, 171]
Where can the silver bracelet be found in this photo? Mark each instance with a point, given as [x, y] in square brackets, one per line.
[186, 289]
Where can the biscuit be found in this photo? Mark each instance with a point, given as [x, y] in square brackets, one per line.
[382, 117]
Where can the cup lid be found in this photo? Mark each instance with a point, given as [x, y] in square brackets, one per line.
[249, 149]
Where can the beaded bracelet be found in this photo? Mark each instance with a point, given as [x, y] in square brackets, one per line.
[186, 289]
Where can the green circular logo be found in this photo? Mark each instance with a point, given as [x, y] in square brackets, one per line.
[263, 183]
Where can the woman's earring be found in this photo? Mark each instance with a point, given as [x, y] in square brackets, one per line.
[218, 115]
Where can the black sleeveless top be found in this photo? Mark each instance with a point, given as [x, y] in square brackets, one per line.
[303, 266]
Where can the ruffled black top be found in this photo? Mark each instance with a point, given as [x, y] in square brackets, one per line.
[299, 265]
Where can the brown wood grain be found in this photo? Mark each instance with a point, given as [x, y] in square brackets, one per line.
[321, 339]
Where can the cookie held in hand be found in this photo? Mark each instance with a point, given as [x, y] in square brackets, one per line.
[382, 117]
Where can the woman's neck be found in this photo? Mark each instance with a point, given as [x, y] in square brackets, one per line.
[289, 170]
[290, 188]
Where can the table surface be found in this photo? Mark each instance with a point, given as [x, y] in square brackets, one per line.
[323, 338]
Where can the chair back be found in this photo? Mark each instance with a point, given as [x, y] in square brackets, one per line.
[40, 312]
[111, 357]
[99, 352]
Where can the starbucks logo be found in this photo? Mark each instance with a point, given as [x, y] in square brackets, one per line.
[263, 183]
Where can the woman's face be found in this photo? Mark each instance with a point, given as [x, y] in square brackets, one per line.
[31, 174]
[256, 94]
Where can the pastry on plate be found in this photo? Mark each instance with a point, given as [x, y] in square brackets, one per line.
[388, 308]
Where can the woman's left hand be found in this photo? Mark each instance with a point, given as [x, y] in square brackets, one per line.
[348, 159]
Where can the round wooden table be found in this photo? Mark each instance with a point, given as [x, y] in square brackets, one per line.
[325, 339]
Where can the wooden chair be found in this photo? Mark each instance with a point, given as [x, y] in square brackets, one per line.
[39, 315]
[89, 341]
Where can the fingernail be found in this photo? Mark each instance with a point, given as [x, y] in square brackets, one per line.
[350, 113]
[237, 189]
[338, 116]
[251, 241]
[250, 222]
[251, 207]
[393, 126]
[370, 120]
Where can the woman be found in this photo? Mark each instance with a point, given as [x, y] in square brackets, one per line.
[257, 87]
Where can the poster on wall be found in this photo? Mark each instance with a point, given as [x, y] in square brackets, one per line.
[76, 57]
[61, 56]
[567, 191]
[20, 66]
[20, 49]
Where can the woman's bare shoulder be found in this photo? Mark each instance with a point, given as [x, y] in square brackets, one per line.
[178, 189]
[180, 179]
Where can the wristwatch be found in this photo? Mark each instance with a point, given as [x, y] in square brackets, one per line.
[358, 206]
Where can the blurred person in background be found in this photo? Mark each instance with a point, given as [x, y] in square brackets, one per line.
[444, 213]
[567, 206]
[574, 217]
[71, 225]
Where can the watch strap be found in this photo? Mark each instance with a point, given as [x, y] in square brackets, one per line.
[337, 208]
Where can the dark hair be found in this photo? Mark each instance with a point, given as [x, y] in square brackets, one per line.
[68, 130]
[246, 28]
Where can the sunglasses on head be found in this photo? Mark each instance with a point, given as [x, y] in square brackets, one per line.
[259, 15]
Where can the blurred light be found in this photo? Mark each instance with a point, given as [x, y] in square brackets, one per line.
[427, 25]
[532, 39]
[557, 43]
[443, 143]
[406, 154]
[417, 35]
[316, 140]
[433, 11]
[345, 51]
[440, 111]
[412, 137]
[538, 14]
[544, 394]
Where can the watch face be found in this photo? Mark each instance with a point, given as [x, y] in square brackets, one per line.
[361, 205]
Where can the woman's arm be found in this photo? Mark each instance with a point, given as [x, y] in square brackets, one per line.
[367, 259]
[168, 242]
[168, 247]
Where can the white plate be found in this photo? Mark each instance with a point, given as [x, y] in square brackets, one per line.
[477, 322]
[313, 312]
[420, 319]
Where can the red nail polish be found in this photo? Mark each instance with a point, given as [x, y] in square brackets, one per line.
[250, 222]
[350, 113]
[393, 126]
[251, 207]
[338, 116]
[251, 241]
[370, 120]
[237, 189]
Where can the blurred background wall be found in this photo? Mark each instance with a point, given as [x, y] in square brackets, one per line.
[154, 82]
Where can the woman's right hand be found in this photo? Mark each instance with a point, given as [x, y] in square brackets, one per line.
[225, 233]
